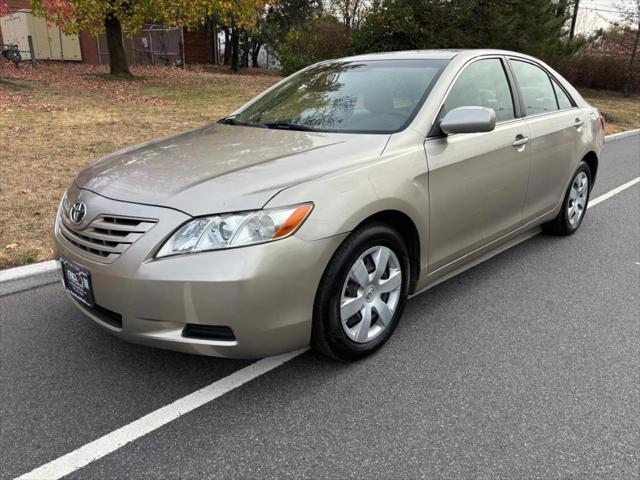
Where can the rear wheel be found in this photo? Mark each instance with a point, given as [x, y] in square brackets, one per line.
[574, 206]
[362, 293]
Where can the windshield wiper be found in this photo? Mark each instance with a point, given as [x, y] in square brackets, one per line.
[288, 126]
[233, 121]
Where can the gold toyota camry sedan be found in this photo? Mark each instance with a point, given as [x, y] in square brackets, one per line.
[309, 215]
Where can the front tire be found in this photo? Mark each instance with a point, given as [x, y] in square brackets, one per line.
[362, 293]
[574, 206]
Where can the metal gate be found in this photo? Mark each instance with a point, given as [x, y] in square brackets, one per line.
[154, 45]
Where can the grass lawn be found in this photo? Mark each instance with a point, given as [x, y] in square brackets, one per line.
[620, 113]
[58, 118]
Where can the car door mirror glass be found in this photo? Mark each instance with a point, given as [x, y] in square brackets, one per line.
[468, 120]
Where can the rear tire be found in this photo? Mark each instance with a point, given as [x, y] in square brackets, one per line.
[574, 205]
[362, 293]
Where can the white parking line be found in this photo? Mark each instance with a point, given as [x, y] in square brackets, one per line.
[611, 193]
[111, 442]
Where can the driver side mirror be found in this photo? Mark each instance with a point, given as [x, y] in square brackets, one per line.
[468, 120]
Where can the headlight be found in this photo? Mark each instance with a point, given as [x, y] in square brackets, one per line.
[235, 229]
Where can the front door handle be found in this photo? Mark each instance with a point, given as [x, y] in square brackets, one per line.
[578, 123]
[520, 140]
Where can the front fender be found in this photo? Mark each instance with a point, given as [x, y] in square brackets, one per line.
[395, 182]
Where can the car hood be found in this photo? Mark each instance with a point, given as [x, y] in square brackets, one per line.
[223, 168]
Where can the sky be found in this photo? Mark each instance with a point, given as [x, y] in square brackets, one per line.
[594, 14]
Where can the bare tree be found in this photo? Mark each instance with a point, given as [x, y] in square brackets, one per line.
[574, 18]
[349, 12]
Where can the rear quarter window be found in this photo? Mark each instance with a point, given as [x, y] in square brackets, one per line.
[564, 102]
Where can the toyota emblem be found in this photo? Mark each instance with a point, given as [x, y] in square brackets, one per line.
[78, 212]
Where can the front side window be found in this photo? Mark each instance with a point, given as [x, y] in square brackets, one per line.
[370, 97]
[482, 84]
[536, 88]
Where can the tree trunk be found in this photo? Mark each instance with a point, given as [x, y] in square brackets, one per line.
[255, 51]
[244, 58]
[628, 81]
[235, 50]
[118, 64]
[347, 15]
[215, 54]
[355, 18]
[227, 47]
[574, 18]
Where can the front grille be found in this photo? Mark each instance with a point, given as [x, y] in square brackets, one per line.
[106, 237]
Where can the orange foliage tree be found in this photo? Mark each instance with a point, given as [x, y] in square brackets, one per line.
[114, 16]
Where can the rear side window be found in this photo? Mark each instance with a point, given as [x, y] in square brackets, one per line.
[482, 84]
[564, 102]
[535, 85]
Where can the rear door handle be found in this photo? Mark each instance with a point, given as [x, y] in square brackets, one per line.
[520, 141]
[578, 123]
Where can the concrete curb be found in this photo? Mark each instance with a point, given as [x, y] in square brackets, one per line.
[44, 273]
[619, 136]
[30, 276]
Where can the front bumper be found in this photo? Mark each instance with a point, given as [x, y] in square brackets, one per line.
[264, 293]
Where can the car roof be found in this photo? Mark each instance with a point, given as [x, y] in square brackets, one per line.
[428, 54]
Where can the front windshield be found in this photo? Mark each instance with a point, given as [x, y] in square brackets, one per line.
[379, 96]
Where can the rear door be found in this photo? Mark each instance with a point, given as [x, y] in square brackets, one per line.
[477, 182]
[556, 126]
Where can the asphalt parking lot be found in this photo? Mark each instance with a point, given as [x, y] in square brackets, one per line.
[526, 366]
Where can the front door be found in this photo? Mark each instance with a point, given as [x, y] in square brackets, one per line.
[477, 182]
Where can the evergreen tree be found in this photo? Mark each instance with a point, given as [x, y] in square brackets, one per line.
[536, 27]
